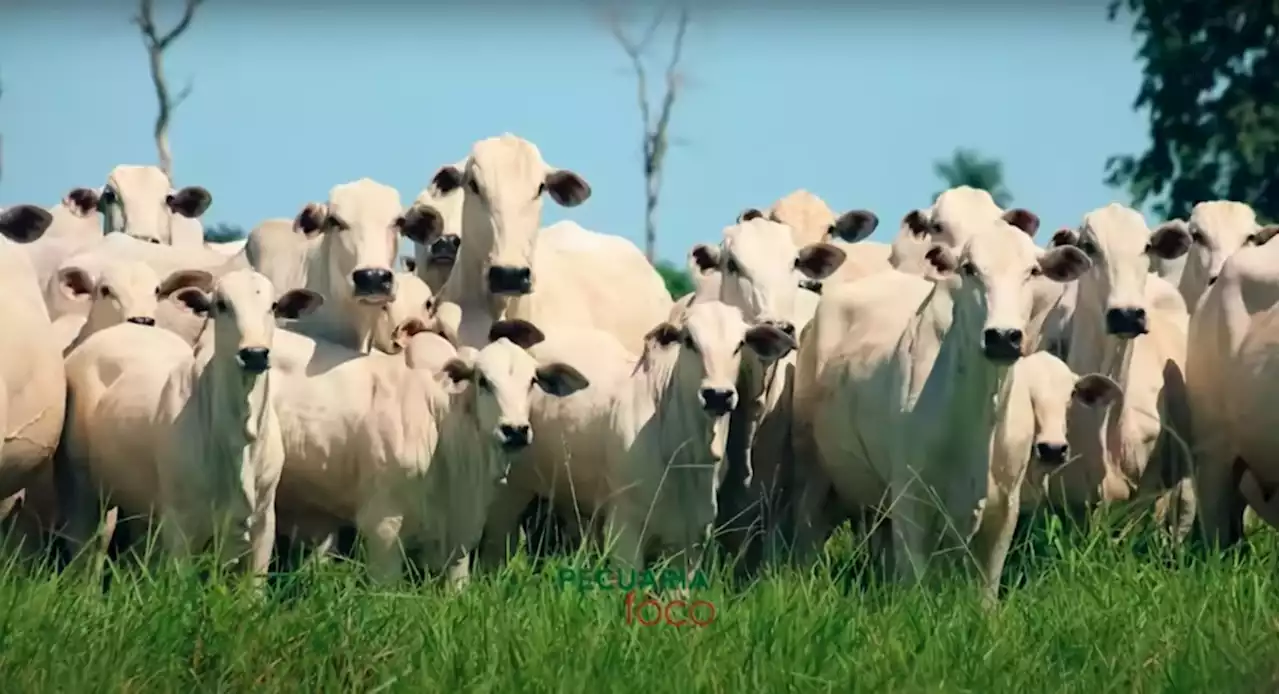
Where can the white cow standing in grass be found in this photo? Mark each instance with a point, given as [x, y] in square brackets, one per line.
[155, 426]
[140, 201]
[897, 391]
[1131, 326]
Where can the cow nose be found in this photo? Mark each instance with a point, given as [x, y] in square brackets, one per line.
[254, 359]
[1053, 453]
[1002, 344]
[514, 436]
[1126, 322]
[373, 282]
[507, 279]
[717, 401]
[141, 320]
[785, 326]
[446, 247]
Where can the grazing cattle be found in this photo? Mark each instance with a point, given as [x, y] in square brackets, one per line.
[1131, 326]
[411, 459]
[343, 250]
[508, 267]
[140, 201]
[435, 255]
[896, 390]
[669, 427]
[757, 264]
[32, 379]
[125, 292]
[1218, 228]
[1229, 312]
[157, 427]
[811, 221]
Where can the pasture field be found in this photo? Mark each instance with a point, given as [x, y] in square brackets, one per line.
[1086, 614]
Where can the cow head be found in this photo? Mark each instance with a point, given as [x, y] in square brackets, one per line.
[992, 278]
[244, 310]
[127, 292]
[501, 377]
[504, 180]
[1053, 388]
[1218, 229]
[359, 226]
[1119, 244]
[139, 201]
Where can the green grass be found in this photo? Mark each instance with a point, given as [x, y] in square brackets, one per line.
[1084, 614]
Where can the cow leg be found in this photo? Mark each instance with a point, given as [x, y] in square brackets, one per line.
[1220, 511]
[911, 513]
[812, 519]
[625, 540]
[990, 546]
[458, 574]
[262, 537]
[384, 554]
[502, 529]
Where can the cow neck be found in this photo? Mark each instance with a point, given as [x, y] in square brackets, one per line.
[658, 389]
[1091, 349]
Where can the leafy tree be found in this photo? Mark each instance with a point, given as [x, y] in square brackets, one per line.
[967, 167]
[677, 279]
[1209, 88]
[222, 233]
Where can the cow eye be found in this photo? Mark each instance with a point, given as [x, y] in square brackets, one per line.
[108, 197]
[731, 267]
[105, 292]
[475, 187]
[334, 223]
[220, 305]
[1088, 247]
[688, 342]
[483, 382]
[1199, 237]
[1036, 271]
[968, 268]
[542, 188]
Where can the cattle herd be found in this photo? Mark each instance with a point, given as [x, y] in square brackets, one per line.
[930, 391]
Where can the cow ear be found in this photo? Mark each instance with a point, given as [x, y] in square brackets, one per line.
[1064, 263]
[918, 225]
[1024, 219]
[769, 342]
[24, 223]
[195, 300]
[819, 260]
[190, 202]
[664, 334]
[421, 224]
[943, 261]
[560, 379]
[406, 330]
[704, 257]
[311, 219]
[81, 202]
[567, 188]
[1169, 241]
[75, 282]
[458, 370]
[1095, 389]
[522, 333]
[749, 214]
[1263, 235]
[853, 226]
[297, 303]
[446, 180]
[185, 278]
[1064, 237]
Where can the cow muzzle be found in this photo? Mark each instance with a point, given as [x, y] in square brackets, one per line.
[1127, 323]
[514, 437]
[1002, 345]
[141, 320]
[507, 279]
[718, 402]
[1051, 453]
[444, 250]
[254, 360]
[373, 285]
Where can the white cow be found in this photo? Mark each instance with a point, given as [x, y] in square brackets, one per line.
[435, 255]
[897, 388]
[140, 201]
[343, 250]
[411, 460]
[811, 221]
[1131, 326]
[757, 264]
[154, 426]
[125, 292]
[1218, 228]
[1219, 387]
[32, 379]
[562, 274]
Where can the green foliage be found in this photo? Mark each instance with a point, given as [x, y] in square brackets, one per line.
[677, 279]
[967, 167]
[1082, 615]
[1210, 90]
[222, 233]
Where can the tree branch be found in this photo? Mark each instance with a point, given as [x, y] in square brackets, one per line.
[654, 141]
[156, 43]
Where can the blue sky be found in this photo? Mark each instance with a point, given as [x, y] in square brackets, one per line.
[854, 104]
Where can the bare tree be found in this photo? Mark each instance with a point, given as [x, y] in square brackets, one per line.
[156, 43]
[655, 141]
